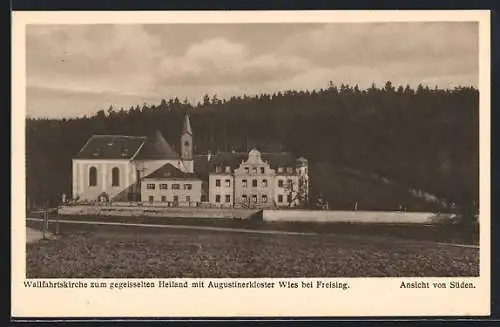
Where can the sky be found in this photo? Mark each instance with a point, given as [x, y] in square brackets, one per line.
[76, 70]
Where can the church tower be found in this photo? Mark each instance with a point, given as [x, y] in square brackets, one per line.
[187, 145]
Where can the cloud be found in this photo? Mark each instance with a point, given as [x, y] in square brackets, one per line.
[98, 65]
[97, 58]
[221, 62]
[362, 41]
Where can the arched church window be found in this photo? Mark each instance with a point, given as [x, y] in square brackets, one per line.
[115, 177]
[93, 176]
[186, 143]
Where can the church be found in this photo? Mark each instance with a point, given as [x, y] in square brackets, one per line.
[121, 168]
[111, 167]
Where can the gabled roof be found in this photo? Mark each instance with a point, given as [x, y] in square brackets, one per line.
[223, 159]
[200, 163]
[280, 159]
[111, 147]
[168, 171]
[234, 159]
[127, 147]
[156, 147]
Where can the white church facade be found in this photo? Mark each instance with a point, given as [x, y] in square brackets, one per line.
[111, 167]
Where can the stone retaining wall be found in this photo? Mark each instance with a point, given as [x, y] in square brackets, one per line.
[352, 216]
[150, 211]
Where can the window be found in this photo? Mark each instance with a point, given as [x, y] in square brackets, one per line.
[289, 198]
[150, 186]
[280, 183]
[280, 198]
[280, 169]
[247, 170]
[264, 183]
[244, 198]
[163, 186]
[289, 183]
[289, 170]
[254, 183]
[93, 176]
[228, 169]
[217, 182]
[186, 143]
[163, 198]
[228, 182]
[176, 198]
[217, 198]
[254, 198]
[176, 186]
[228, 198]
[188, 198]
[188, 186]
[244, 183]
[151, 198]
[262, 170]
[115, 176]
[203, 198]
[254, 170]
[264, 198]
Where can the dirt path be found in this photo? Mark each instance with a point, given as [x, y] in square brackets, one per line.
[219, 229]
[34, 235]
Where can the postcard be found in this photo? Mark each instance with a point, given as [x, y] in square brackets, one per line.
[251, 164]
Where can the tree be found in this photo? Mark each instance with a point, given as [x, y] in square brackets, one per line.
[297, 193]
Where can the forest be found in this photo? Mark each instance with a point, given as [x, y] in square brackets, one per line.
[425, 138]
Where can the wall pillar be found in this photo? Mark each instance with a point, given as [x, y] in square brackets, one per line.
[104, 176]
[74, 180]
[81, 174]
[127, 175]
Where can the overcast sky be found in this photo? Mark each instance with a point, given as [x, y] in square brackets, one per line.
[74, 70]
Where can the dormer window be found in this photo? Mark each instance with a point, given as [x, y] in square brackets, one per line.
[95, 153]
[280, 169]
[217, 169]
[228, 169]
[289, 170]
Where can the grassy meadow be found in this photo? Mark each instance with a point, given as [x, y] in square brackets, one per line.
[91, 251]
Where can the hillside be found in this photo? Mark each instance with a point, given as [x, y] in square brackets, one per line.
[345, 189]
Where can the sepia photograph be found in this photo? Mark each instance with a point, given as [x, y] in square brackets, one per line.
[169, 153]
[252, 150]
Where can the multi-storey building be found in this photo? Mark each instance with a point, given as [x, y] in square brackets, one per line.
[256, 179]
[171, 187]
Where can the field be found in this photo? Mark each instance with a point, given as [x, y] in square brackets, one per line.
[138, 252]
